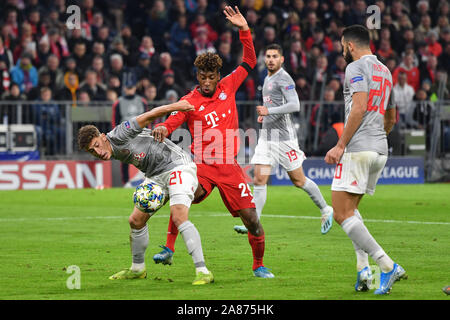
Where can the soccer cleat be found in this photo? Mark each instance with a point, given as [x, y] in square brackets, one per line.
[128, 274]
[363, 280]
[164, 257]
[387, 279]
[203, 278]
[327, 220]
[240, 229]
[263, 272]
[446, 290]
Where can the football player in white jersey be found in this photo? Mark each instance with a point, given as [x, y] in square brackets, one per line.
[278, 143]
[361, 153]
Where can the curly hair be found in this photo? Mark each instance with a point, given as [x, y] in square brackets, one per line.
[208, 62]
[85, 136]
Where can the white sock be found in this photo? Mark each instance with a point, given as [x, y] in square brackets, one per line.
[362, 258]
[313, 191]
[137, 267]
[201, 269]
[260, 196]
[357, 231]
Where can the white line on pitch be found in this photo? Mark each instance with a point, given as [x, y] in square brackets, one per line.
[212, 214]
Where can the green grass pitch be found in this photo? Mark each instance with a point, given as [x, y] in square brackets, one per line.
[44, 232]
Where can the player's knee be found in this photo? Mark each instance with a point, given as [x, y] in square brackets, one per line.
[135, 222]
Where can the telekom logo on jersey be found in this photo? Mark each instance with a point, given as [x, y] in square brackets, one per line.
[212, 145]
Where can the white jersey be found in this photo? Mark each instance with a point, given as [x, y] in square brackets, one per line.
[281, 99]
[368, 74]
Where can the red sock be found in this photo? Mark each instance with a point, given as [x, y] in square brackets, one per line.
[172, 233]
[257, 244]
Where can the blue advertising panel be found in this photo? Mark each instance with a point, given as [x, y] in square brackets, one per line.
[398, 170]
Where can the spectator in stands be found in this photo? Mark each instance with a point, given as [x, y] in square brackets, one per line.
[142, 70]
[202, 44]
[98, 49]
[385, 51]
[179, 36]
[117, 67]
[318, 74]
[228, 60]
[434, 47]
[296, 60]
[319, 38]
[98, 65]
[422, 115]
[6, 55]
[147, 46]
[90, 84]
[5, 78]
[157, 24]
[56, 74]
[13, 94]
[70, 65]
[403, 95]
[104, 36]
[130, 44]
[24, 73]
[428, 71]
[168, 83]
[44, 80]
[58, 44]
[70, 90]
[303, 88]
[444, 59]
[83, 98]
[114, 83]
[412, 72]
[111, 95]
[81, 57]
[126, 107]
[423, 28]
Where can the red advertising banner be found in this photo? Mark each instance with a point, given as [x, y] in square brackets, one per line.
[30, 175]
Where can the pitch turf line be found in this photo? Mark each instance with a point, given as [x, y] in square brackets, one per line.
[213, 214]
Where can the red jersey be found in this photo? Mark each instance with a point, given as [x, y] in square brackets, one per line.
[214, 122]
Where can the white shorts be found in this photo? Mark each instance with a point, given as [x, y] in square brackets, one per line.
[358, 172]
[286, 153]
[179, 183]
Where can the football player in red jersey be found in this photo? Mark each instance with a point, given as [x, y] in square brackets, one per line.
[213, 125]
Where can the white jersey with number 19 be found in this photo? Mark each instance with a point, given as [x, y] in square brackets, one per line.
[368, 74]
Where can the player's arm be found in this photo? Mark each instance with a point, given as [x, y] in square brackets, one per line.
[292, 102]
[359, 108]
[146, 118]
[390, 116]
[249, 56]
[164, 129]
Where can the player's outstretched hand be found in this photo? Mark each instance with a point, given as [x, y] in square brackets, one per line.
[160, 133]
[235, 17]
[334, 155]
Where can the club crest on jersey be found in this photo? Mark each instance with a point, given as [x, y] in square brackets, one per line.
[222, 96]
[139, 156]
[356, 79]
[267, 99]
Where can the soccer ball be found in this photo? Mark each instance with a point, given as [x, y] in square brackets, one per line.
[149, 197]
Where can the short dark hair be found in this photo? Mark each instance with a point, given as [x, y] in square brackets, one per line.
[274, 46]
[208, 62]
[357, 34]
[85, 136]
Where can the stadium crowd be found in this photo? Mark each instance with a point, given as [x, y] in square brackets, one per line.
[157, 40]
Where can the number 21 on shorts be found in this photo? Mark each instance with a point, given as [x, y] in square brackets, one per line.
[175, 177]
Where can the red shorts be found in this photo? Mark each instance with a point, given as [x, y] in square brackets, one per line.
[231, 182]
